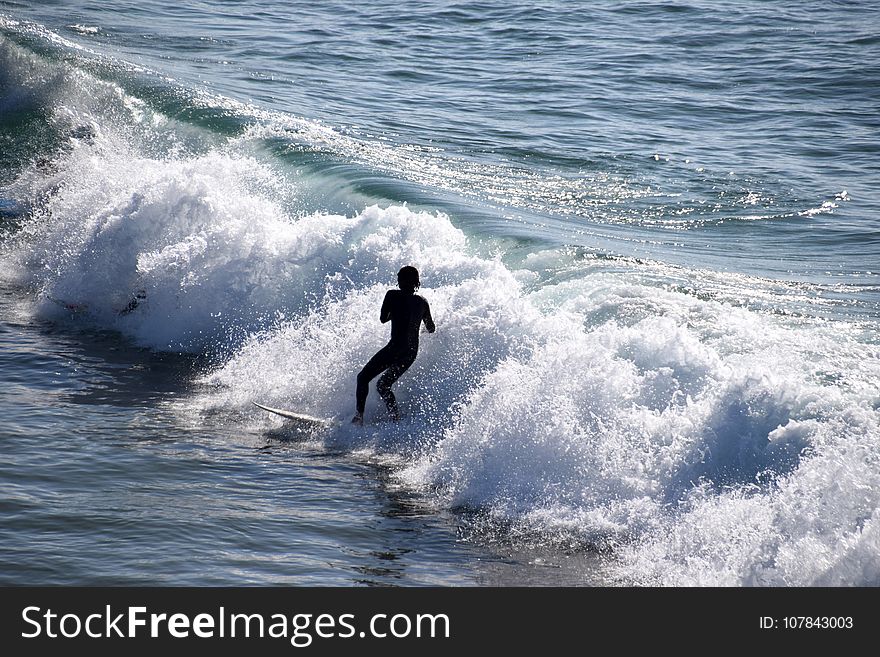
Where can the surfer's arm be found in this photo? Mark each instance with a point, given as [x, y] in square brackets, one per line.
[385, 313]
[429, 321]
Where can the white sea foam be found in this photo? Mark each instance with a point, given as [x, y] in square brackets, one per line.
[84, 29]
[608, 432]
[704, 441]
[706, 444]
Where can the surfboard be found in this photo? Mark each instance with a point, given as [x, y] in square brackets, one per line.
[298, 417]
[74, 308]
[136, 300]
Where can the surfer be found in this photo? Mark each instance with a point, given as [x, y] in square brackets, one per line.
[134, 302]
[406, 310]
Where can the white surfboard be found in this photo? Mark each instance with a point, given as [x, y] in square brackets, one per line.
[299, 417]
[74, 308]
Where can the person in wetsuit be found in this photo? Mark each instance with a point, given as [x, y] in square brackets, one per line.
[406, 310]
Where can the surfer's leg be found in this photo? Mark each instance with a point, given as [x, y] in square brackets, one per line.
[376, 365]
[387, 380]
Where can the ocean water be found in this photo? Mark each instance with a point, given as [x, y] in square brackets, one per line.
[649, 234]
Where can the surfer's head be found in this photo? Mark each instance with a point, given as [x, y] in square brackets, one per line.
[408, 279]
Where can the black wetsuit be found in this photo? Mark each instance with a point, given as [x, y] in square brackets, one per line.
[406, 311]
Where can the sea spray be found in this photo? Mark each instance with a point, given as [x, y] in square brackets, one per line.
[599, 410]
[704, 427]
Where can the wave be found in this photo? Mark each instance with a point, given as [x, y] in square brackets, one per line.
[621, 418]
[565, 399]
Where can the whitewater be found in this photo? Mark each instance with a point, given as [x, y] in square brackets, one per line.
[642, 357]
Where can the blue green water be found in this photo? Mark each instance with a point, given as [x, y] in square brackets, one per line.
[649, 233]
